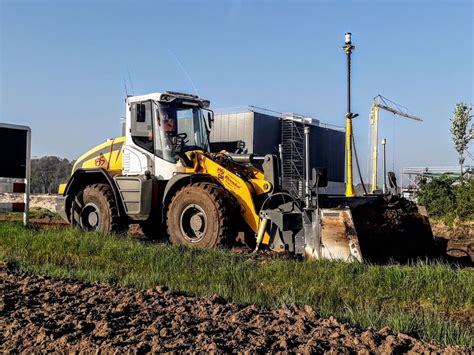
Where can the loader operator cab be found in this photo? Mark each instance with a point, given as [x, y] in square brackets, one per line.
[167, 125]
[180, 128]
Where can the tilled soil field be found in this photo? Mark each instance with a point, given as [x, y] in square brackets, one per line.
[40, 313]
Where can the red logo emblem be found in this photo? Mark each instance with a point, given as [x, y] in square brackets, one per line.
[220, 173]
[100, 160]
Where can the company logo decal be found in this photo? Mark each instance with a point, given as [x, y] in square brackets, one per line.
[100, 161]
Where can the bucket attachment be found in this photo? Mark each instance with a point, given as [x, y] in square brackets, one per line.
[330, 234]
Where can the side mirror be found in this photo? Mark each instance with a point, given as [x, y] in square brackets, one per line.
[319, 177]
[141, 113]
[210, 119]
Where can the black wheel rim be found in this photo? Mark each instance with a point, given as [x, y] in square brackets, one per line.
[193, 223]
[90, 217]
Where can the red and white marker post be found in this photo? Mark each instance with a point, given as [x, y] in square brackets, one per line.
[15, 167]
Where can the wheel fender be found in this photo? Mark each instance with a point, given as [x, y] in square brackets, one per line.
[83, 177]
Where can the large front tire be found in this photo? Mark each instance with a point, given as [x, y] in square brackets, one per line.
[94, 208]
[199, 216]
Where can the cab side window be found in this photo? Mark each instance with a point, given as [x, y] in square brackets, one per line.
[142, 125]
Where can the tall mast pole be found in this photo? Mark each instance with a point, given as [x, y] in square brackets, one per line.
[348, 47]
[384, 186]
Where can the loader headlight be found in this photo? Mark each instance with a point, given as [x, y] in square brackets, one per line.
[205, 103]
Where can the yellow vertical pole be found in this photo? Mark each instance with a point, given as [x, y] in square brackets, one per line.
[348, 47]
[350, 182]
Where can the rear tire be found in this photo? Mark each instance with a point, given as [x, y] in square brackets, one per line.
[199, 216]
[94, 208]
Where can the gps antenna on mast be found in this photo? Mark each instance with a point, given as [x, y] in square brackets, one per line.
[125, 85]
[184, 71]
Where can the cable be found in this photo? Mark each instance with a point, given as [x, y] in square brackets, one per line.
[130, 79]
[393, 146]
[369, 156]
[357, 163]
[470, 155]
[282, 193]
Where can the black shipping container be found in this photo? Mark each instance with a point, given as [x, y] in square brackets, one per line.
[262, 134]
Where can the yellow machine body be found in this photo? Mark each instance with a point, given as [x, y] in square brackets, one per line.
[166, 149]
[107, 155]
[243, 190]
[333, 242]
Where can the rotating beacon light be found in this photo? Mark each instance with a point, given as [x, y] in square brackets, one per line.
[348, 47]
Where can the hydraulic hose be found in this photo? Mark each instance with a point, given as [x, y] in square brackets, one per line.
[358, 166]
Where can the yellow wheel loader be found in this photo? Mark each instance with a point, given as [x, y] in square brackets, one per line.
[162, 175]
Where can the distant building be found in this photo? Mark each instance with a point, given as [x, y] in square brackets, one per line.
[269, 132]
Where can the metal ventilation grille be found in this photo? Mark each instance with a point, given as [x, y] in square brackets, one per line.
[293, 156]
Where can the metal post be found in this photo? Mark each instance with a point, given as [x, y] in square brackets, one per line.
[307, 167]
[401, 180]
[348, 47]
[374, 117]
[26, 213]
[280, 164]
[384, 188]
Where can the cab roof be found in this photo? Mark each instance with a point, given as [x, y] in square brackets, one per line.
[168, 96]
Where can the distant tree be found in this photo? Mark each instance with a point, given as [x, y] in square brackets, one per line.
[438, 196]
[461, 133]
[48, 172]
[444, 197]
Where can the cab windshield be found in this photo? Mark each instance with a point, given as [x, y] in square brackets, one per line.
[179, 126]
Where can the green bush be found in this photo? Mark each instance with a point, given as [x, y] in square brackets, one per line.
[438, 196]
[465, 199]
[448, 198]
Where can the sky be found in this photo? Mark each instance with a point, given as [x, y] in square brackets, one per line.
[63, 65]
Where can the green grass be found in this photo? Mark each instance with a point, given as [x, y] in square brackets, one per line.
[431, 301]
[35, 213]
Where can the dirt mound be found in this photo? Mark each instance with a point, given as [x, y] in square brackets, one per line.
[455, 240]
[392, 228]
[44, 314]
